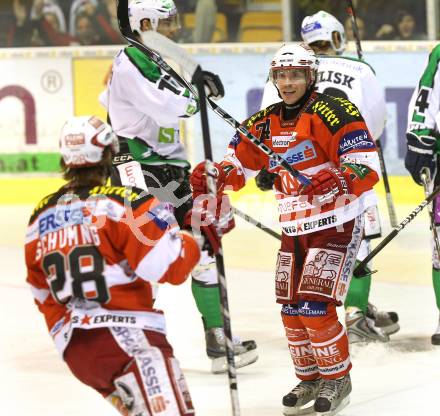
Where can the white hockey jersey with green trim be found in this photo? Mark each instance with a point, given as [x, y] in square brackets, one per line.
[145, 103]
[424, 106]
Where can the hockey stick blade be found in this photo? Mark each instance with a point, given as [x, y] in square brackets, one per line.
[171, 50]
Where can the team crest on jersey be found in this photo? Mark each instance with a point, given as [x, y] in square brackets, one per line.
[300, 153]
[355, 140]
[321, 272]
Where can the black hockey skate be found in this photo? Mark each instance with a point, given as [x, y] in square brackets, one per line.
[245, 352]
[362, 329]
[333, 396]
[298, 401]
[386, 321]
[435, 339]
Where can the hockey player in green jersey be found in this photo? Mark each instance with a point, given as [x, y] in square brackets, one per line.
[423, 147]
[145, 106]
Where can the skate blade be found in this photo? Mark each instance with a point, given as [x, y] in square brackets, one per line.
[390, 329]
[219, 365]
[335, 411]
[299, 411]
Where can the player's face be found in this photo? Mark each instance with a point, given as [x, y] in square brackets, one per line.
[169, 27]
[291, 83]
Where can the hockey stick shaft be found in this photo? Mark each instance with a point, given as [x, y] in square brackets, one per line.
[124, 25]
[361, 267]
[426, 178]
[386, 184]
[357, 38]
[219, 260]
[389, 199]
[257, 223]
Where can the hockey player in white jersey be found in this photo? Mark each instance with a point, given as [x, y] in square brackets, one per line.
[355, 80]
[145, 106]
[422, 160]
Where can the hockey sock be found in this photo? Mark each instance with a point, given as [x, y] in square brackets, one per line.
[436, 284]
[208, 303]
[359, 291]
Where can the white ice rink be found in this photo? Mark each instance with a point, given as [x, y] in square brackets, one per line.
[401, 378]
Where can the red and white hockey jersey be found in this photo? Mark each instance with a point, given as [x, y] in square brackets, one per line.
[93, 259]
[328, 132]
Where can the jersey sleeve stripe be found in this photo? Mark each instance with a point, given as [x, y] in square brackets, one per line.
[157, 261]
[39, 294]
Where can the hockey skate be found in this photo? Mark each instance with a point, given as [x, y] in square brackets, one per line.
[362, 329]
[333, 396]
[435, 339]
[386, 321]
[297, 402]
[245, 352]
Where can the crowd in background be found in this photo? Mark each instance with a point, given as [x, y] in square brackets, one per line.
[94, 22]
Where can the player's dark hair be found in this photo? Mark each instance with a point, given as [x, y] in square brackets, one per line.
[88, 176]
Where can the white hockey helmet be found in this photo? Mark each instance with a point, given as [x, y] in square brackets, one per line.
[300, 56]
[154, 10]
[83, 140]
[321, 26]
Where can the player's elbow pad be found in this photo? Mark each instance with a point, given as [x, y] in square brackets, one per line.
[189, 256]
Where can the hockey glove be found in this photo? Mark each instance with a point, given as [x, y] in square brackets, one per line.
[198, 179]
[209, 219]
[420, 154]
[325, 187]
[265, 180]
[213, 85]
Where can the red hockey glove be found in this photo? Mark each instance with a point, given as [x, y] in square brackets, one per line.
[199, 181]
[326, 186]
[209, 219]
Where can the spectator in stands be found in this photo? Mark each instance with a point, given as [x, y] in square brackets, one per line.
[85, 30]
[404, 28]
[40, 23]
[349, 29]
[105, 20]
[78, 7]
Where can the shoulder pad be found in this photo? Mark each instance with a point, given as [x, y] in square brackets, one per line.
[143, 63]
[272, 109]
[335, 112]
[349, 58]
[135, 196]
[46, 202]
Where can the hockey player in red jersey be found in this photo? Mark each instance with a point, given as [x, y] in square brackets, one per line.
[327, 139]
[94, 256]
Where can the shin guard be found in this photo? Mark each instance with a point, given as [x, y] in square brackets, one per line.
[328, 338]
[299, 344]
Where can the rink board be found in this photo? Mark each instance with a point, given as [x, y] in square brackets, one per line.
[248, 246]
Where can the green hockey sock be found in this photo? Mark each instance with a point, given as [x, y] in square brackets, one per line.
[358, 292]
[436, 284]
[208, 303]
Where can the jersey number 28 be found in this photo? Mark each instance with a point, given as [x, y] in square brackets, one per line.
[76, 273]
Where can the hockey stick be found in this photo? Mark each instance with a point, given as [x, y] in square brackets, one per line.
[154, 45]
[197, 78]
[426, 178]
[361, 269]
[386, 183]
[258, 224]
